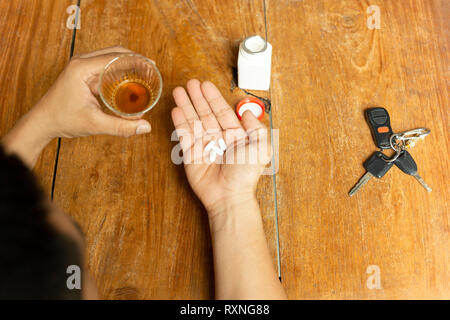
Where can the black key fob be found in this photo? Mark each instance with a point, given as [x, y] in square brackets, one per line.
[406, 163]
[380, 124]
[376, 165]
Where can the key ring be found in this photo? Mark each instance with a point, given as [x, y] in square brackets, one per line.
[389, 160]
[408, 138]
[403, 140]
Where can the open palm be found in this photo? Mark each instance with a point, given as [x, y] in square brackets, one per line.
[205, 116]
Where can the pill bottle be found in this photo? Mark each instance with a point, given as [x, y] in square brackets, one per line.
[254, 63]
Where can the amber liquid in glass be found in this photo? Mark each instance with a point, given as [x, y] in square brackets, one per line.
[132, 96]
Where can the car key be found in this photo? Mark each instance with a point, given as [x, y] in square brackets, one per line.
[380, 125]
[375, 167]
[406, 163]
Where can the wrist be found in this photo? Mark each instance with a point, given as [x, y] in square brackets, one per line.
[226, 210]
[28, 137]
[41, 121]
[228, 203]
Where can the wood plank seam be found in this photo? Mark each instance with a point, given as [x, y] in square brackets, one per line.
[58, 147]
[277, 233]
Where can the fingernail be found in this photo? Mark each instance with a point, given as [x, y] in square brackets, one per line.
[143, 128]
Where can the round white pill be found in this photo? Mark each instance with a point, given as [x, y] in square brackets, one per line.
[212, 156]
[209, 146]
[218, 151]
[222, 144]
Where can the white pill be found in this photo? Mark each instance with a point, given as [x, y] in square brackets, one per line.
[212, 156]
[209, 146]
[218, 151]
[222, 144]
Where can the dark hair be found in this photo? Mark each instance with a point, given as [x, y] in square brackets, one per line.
[34, 256]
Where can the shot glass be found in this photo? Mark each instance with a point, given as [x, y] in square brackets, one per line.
[130, 85]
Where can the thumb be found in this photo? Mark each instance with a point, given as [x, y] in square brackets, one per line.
[121, 127]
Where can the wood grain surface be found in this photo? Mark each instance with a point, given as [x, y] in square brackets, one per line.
[147, 234]
[328, 66]
[34, 47]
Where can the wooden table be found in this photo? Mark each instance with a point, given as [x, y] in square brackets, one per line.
[147, 234]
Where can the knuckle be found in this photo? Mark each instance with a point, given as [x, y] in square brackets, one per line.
[119, 48]
[74, 63]
[75, 60]
[123, 130]
[224, 112]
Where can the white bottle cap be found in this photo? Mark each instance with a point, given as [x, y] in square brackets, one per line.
[254, 44]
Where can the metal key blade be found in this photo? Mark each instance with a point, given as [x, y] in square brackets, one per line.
[366, 177]
[422, 182]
